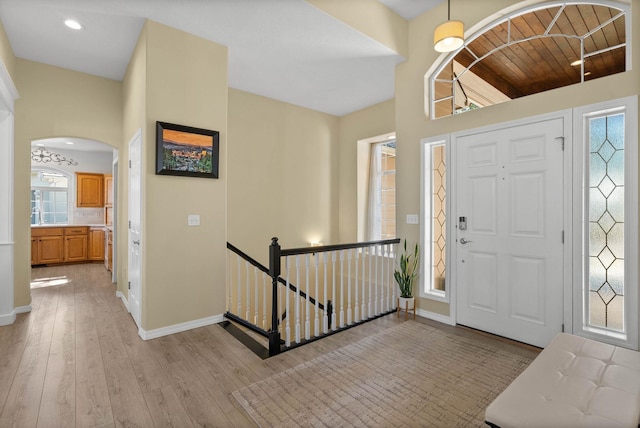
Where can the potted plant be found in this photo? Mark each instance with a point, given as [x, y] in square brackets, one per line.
[405, 273]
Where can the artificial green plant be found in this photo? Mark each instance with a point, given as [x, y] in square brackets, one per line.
[407, 270]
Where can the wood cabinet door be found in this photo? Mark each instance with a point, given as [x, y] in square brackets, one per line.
[90, 190]
[34, 251]
[108, 190]
[50, 249]
[96, 244]
[75, 248]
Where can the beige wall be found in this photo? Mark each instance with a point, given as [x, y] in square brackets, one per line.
[134, 91]
[366, 123]
[283, 179]
[54, 103]
[372, 18]
[185, 267]
[6, 53]
[412, 125]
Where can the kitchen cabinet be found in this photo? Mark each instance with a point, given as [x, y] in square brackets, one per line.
[96, 244]
[47, 245]
[64, 244]
[108, 190]
[89, 190]
[76, 244]
[108, 251]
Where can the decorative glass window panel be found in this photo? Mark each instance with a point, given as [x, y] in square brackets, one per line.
[434, 215]
[438, 217]
[606, 292]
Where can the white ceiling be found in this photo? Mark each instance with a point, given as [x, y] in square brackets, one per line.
[282, 49]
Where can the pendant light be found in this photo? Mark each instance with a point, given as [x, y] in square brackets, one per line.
[449, 35]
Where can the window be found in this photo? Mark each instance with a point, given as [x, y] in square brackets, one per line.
[382, 191]
[531, 50]
[434, 218]
[49, 197]
[608, 297]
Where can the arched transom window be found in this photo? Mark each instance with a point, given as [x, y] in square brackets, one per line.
[535, 49]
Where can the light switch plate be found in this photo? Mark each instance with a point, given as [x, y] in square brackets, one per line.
[412, 218]
[193, 220]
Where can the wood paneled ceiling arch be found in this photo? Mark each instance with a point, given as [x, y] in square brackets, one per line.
[535, 51]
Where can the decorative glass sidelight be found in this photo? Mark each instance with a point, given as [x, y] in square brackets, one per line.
[434, 241]
[438, 217]
[605, 301]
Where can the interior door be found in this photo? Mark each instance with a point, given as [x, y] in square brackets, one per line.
[135, 222]
[509, 208]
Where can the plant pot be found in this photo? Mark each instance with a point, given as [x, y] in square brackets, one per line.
[406, 303]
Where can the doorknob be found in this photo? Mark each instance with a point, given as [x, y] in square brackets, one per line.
[464, 241]
[136, 242]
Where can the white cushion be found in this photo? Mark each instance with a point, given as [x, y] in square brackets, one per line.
[573, 382]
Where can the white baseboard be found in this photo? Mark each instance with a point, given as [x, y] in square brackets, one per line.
[124, 299]
[23, 309]
[8, 319]
[177, 328]
[445, 319]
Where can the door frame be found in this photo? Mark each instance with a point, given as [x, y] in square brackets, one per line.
[452, 253]
[136, 314]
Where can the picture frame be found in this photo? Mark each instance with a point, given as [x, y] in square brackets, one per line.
[187, 151]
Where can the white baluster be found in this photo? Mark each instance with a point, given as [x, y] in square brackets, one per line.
[394, 301]
[287, 311]
[256, 293]
[247, 315]
[264, 301]
[325, 316]
[341, 288]
[316, 320]
[370, 308]
[297, 299]
[356, 306]
[363, 314]
[383, 281]
[387, 291]
[334, 324]
[239, 296]
[349, 319]
[229, 281]
[307, 324]
[376, 256]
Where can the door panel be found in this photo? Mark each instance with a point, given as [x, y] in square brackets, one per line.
[510, 258]
[135, 227]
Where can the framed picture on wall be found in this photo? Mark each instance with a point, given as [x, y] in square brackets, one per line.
[186, 151]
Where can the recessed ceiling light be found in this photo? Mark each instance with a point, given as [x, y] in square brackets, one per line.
[73, 24]
[576, 62]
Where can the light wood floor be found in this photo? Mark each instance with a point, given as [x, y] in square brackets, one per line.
[76, 361]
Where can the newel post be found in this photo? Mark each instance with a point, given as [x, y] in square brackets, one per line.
[274, 273]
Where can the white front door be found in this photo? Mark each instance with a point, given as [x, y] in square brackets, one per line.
[135, 243]
[509, 262]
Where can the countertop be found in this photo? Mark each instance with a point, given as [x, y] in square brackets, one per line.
[72, 225]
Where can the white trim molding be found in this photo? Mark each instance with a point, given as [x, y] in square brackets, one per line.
[177, 328]
[122, 297]
[444, 319]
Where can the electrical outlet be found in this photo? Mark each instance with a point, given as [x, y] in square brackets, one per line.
[193, 220]
[412, 218]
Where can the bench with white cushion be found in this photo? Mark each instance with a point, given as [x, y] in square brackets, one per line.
[573, 382]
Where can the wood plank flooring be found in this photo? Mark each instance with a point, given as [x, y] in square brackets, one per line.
[76, 360]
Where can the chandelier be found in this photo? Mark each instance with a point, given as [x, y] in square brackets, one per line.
[43, 155]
